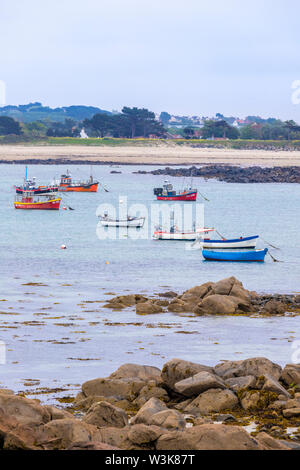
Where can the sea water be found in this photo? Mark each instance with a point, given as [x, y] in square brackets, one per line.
[52, 320]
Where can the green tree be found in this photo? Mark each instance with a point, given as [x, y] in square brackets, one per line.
[9, 126]
[188, 132]
[164, 117]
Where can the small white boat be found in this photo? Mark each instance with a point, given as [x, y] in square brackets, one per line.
[200, 237]
[175, 234]
[137, 222]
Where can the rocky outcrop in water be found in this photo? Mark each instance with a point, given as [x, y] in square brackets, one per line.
[235, 174]
[225, 297]
[184, 406]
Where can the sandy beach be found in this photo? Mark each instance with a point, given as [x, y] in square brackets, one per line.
[159, 154]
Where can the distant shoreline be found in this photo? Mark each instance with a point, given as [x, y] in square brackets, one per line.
[156, 154]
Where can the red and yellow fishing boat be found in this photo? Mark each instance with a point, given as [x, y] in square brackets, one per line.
[67, 184]
[28, 201]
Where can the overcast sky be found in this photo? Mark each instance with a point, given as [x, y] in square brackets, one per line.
[186, 57]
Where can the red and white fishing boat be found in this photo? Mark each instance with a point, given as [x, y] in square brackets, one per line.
[176, 234]
[30, 201]
[167, 193]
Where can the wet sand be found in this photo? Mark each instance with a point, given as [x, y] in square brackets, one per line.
[160, 154]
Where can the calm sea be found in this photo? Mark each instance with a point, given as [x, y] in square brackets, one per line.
[60, 334]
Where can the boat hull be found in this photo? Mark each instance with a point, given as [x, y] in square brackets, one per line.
[184, 236]
[41, 205]
[123, 223]
[38, 191]
[189, 196]
[86, 188]
[241, 256]
[247, 242]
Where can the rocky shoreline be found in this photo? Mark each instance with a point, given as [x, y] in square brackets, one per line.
[251, 404]
[234, 174]
[246, 404]
[225, 297]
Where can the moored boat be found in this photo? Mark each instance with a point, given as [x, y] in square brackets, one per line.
[29, 201]
[37, 190]
[201, 236]
[30, 185]
[234, 243]
[246, 256]
[67, 184]
[167, 193]
[175, 234]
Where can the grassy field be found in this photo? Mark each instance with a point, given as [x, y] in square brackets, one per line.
[237, 144]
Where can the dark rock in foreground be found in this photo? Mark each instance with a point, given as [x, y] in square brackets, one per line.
[185, 406]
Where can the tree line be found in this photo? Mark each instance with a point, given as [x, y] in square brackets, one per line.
[140, 122]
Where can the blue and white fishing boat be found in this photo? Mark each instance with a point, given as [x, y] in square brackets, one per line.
[253, 255]
[233, 243]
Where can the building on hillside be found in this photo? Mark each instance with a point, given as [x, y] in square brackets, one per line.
[83, 134]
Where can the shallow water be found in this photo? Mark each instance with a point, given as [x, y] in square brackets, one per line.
[74, 341]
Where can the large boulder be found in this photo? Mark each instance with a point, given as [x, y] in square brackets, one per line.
[169, 419]
[195, 294]
[272, 385]
[291, 413]
[209, 437]
[138, 371]
[142, 434]
[176, 370]
[150, 391]
[291, 374]
[257, 400]
[239, 383]
[213, 401]
[127, 388]
[274, 307]
[104, 414]
[16, 436]
[63, 433]
[225, 286]
[198, 383]
[257, 366]
[25, 411]
[148, 308]
[216, 305]
[57, 413]
[269, 443]
[150, 408]
[116, 437]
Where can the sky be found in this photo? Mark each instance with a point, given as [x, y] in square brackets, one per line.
[188, 57]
